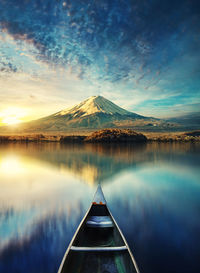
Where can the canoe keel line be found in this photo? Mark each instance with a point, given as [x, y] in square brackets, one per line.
[98, 245]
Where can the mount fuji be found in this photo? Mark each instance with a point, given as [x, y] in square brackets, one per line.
[95, 112]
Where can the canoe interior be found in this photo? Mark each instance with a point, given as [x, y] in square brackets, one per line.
[91, 237]
[99, 262]
[94, 261]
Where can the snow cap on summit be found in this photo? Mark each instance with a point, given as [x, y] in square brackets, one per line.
[94, 104]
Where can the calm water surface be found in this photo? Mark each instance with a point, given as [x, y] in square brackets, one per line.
[152, 190]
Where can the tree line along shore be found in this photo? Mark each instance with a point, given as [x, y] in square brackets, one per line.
[106, 136]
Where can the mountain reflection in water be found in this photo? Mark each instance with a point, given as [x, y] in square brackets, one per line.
[90, 163]
[152, 189]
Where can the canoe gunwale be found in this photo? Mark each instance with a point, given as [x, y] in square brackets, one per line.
[73, 238]
[129, 251]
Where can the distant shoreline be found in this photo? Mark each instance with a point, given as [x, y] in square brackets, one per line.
[193, 136]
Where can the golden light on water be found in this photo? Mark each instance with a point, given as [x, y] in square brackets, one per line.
[12, 115]
[11, 165]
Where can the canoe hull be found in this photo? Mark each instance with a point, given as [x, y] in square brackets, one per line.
[101, 250]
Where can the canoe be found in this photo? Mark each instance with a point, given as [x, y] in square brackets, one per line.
[98, 245]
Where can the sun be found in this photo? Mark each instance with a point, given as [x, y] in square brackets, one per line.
[12, 115]
[10, 120]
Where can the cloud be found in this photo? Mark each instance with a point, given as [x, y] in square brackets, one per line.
[126, 33]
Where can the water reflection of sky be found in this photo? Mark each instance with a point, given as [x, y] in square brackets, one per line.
[152, 191]
[162, 208]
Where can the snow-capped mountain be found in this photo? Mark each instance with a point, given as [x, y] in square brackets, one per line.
[93, 105]
[94, 113]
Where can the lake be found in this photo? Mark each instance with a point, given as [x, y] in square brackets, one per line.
[152, 190]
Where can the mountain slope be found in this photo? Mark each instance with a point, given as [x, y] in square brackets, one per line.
[189, 122]
[94, 113]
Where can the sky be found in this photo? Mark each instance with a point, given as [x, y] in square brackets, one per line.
[142, 55]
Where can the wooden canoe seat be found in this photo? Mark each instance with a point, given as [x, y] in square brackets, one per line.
[99, 222]
[99, 249]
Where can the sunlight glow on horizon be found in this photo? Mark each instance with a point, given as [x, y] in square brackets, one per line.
[12, 115]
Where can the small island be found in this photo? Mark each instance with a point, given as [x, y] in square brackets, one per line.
[116, 135]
